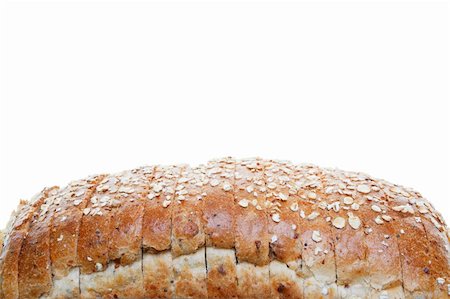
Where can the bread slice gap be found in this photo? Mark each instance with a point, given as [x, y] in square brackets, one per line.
[413, 246]
[188, 237]
[157, 231]
[35, 273]
[438, 245]
[96, 271]
[347, 228]
[318, 254]
[125, 243]
[219, 217]
[285, 244]
[15, 234]
[252, 238]
[64, 237]
[368, 210]
[5, 239]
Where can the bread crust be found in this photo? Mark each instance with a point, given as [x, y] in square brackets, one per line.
[285, 243]
[9, 270]
[220, 226]
[157, 232]
[35, 278]
[188, 237]
[94, 235]
[249, 228]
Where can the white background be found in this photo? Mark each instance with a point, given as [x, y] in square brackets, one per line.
[92, 87]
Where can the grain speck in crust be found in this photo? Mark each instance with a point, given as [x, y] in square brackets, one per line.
[363, 188]
[386, 218]
[276, 217]
[379, 220]
[294, 207]
[243, 203]
[312, 195]
[348, 200]
[376, 208]
[313, 215]
[354, 221]
[339, 222]
[226, 187]
[316, 237]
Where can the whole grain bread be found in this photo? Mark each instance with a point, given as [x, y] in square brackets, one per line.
[249, 228]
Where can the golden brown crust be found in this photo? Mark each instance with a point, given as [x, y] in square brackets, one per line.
[157, 232]
[383, 256]
[157, 221]
[285, 243]
[126, 222]
[18, 230]
[229, 229]
[318, 254]
[35, 278]
[188, 237]
[439, 271]
[252, 234]
[219, 218]
[219, 207]
[66, 224]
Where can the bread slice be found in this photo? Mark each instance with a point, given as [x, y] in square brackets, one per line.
[188, 237]
[35, 276]
[219, 218]
[16, 233]
[157, 232]
[285, 243]
[252, 232]
[65, 226]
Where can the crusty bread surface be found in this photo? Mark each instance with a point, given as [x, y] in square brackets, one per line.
[249, 228]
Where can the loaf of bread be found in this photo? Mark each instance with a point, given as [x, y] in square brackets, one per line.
[231, 228]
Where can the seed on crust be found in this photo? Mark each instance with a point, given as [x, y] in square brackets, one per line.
[363, 188]
[339, 222]
[355, 206]
[271, 185]
[348, 200]
[376, 208]
[378, 220]
[386, 218]
[273, 239]
[313, 215]
[226, 187]
[276, 217]
[214, 182]
[316, 237]
[312, 195]
[302, 214]
[294, 207]
[243, 203]
[354, 221]
[283, 196]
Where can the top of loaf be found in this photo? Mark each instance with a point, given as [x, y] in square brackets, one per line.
[329, 189]
[280, 195]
